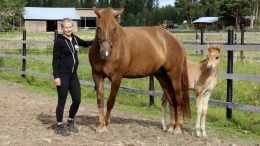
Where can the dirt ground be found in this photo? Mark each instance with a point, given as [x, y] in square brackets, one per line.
[27, 118]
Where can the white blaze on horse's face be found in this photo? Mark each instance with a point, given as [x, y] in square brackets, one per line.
[106, 31]
[213, 58]
[105, 39]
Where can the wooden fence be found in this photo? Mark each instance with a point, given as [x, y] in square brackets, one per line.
[229, 47]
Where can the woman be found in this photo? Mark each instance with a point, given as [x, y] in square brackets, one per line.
[65, 64]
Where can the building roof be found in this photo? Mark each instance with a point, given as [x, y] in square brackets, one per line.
[44, 13]
[86, 12]
[206, 20]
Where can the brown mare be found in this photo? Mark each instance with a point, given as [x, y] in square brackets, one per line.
[202, 79]
[119, 52]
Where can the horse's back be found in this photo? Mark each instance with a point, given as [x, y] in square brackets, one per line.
[155, 42]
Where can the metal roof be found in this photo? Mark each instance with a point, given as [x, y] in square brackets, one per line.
[44, 13]
[206, 20]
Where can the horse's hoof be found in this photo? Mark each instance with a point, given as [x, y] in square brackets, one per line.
[177, 131]
[170, 130]
[101, 129]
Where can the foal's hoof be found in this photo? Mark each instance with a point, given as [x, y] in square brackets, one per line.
[204, 135]
[101, 129]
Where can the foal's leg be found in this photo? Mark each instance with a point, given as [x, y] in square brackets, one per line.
[164, 104]
[199, 106]
[99, 85]
[166, 85]
[204, 112]
[115, 84]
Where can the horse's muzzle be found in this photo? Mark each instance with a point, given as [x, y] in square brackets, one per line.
[105, 54]
[209, 69]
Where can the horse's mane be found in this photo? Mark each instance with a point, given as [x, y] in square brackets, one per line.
[108, 18]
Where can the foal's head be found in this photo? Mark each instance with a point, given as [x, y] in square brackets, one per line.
[107, 26]
[213, 57]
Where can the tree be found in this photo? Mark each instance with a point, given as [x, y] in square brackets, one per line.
[236, 10]
[103, 3]
[10, 11]
[115, 3]
[184, 7]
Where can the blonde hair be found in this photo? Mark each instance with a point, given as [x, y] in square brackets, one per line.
[66, 20]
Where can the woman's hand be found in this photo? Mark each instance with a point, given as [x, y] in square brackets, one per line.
[57, 82]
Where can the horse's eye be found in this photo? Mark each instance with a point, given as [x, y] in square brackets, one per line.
[114, 29]
[216, 57]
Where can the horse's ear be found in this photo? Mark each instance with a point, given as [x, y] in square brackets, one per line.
[97, 12]
[117, 13]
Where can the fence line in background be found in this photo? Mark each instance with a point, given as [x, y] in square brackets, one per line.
[143, 92]
[230, 47]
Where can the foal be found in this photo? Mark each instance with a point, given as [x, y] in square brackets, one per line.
[202, 79]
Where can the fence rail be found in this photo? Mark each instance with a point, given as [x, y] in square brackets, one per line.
[229, 47]
[143, 92]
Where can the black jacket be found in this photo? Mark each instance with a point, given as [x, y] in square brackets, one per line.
[65, 54]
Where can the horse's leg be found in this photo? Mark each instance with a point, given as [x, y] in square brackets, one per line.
[164, 104]
[115, 84]
[176, 82]
[199, 106]
[167, 89]
[99, 86]
[204, 112]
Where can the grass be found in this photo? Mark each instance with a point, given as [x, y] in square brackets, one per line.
[243, 125]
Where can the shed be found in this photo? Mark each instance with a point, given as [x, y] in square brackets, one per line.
[88, 18]
[41, 19]
[203, 22]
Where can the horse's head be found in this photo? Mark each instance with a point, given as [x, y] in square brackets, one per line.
[107, 27]
[213, 57]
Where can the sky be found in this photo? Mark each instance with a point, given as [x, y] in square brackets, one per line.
[166, 2]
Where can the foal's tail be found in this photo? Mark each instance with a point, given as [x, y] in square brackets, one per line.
[185, 89]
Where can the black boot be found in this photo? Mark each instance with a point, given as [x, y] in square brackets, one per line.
[71, 126]
[60, 129]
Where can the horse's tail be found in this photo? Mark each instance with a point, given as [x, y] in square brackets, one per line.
[185, 89]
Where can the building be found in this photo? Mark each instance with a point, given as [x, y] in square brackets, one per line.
[88, 18]
[42, 19]
[203, 22]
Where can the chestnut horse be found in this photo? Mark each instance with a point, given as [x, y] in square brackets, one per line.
[119, 52]
[202, 79]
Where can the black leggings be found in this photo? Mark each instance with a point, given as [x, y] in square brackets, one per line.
[69, 82]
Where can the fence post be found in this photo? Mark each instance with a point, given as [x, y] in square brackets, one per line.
[151, 88]
[230, 71]
[24, 53]
[202, 39]
[55, 34]
[242, 29]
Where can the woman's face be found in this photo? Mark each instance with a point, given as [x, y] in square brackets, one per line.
[67, 28]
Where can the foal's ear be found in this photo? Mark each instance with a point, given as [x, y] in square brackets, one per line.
[117, 13]
[97, 12]
[219, 47]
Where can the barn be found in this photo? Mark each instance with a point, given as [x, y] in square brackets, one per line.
[42, 19]
[88, 18]
[203, 22]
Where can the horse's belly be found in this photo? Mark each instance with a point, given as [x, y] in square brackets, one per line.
[137, 74]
